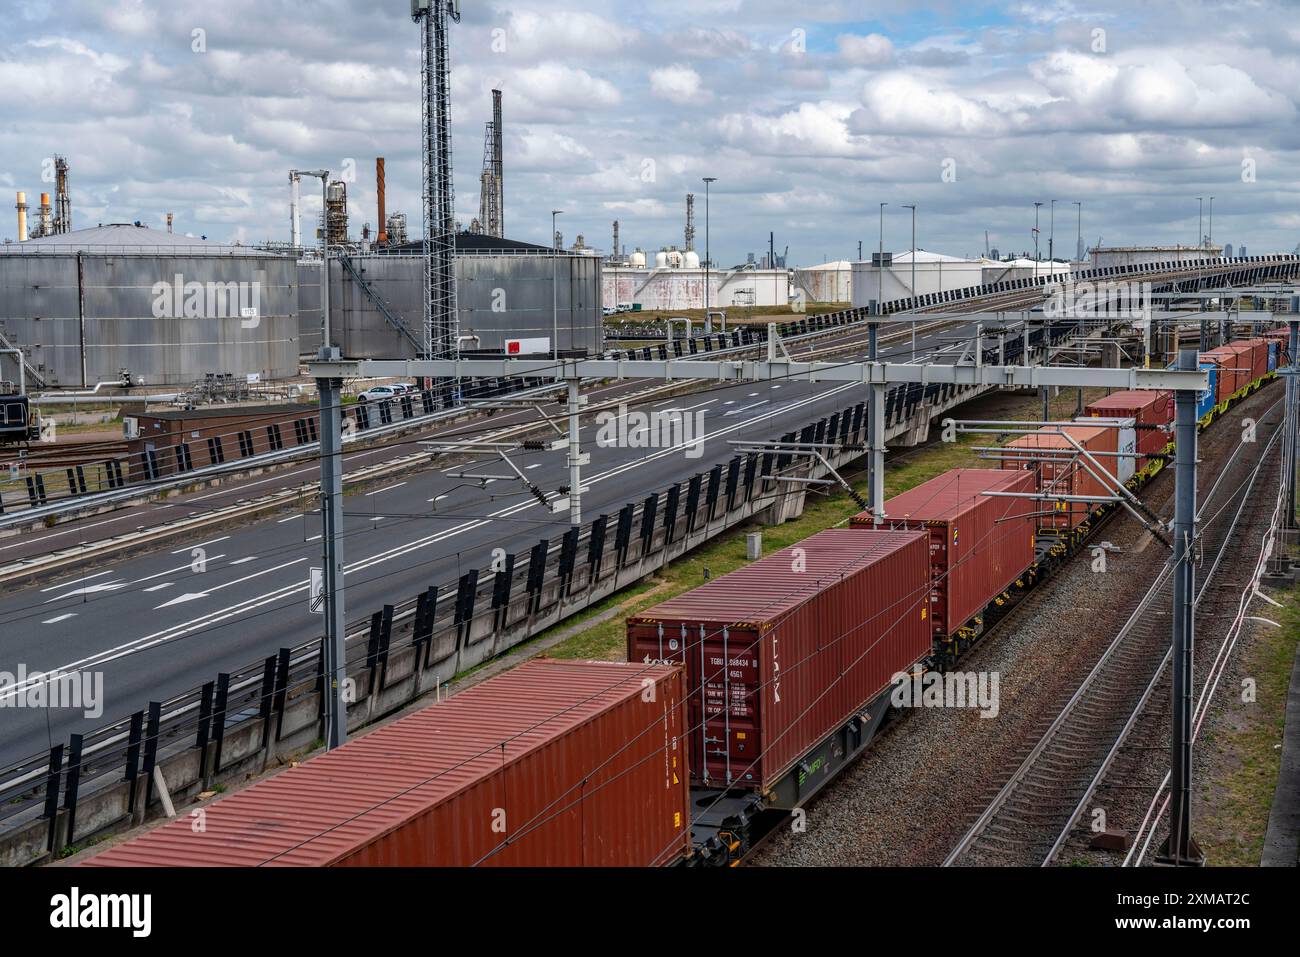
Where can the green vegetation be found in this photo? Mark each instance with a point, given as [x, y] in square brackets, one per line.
[1244, 745]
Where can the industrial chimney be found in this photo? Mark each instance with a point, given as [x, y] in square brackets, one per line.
[382, 238]
[62, 199]
[45, 217]
[690, 222]
[22, 216]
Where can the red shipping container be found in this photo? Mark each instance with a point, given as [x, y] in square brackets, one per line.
[1234, 369]
[1152, 411]
[781, 653]
[1259, 363]
[553, 763]
[979, 544]
[1066, 474]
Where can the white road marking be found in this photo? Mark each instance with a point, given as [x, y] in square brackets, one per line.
[76, 581]
[180, 629]
[387, 488]
[89, 590]
[58, 618]
[171, 571]
[241, 561]
[535, 465]
[190, 548]
[291, 518]
[160, 587]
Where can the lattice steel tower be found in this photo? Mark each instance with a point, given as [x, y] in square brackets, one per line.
[439, 196]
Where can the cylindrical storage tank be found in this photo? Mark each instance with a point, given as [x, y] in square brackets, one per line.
[168, 309]
[550, 764]
[979, 544]
[780, 653]
[503, 291]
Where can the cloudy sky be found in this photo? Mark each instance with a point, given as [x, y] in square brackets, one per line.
[809, 115]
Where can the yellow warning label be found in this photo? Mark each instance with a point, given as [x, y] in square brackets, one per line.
[740, 735]
[924, 612]
[676, 779]
[677, 819]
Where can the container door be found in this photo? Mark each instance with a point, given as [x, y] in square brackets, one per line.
[729, 730]
[941, 587]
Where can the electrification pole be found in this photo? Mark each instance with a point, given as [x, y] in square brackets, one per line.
[555, 294]
[333, 652]
[1180, 849]
[707, 261]
[912, 207]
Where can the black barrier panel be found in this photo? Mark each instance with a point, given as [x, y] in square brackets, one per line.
[833, 428]
[465, 593]
[53, 773]
[693, 501]
[751, 472]
[151, 746]
[783, 458]
[623, 534]
[219, 717]
[502, 583]
[568, 553]
[596, 546]
[733, 479]
[648, 518]
[73, 785]
[670, 512]
[537, 566]
[711, 493]
[134, 737]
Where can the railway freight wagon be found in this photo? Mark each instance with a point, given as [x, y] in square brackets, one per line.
[1234, 371]
[787, 658]
[1153, 415]
[553, 763]
[980, 545]
[1052, 454]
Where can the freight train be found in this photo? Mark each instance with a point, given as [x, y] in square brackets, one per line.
[741, 699]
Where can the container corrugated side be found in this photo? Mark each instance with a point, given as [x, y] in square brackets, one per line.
[1067, 475]
[783, 651]
[553, 763]
[979, 544]
[1152, 410]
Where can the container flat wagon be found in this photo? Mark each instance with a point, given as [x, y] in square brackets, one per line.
[1152, 413]
[553, 763]
[789, 663]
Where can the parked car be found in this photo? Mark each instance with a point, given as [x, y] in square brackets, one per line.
[379, 393]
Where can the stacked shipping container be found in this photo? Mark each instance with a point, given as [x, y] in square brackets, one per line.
[553, 763]
[1059, 469]
[781, 653]
[1152, 413]
[979, 544]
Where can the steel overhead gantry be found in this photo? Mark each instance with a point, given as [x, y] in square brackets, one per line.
[1186, 381]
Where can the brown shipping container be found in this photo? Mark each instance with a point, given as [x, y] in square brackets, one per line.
[808, 636]
[553, 763]
[1259, 364]
[979, 544]
[1066, 475]
[1147, 407]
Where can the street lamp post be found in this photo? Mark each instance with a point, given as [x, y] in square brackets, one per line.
[1078, 240]
[1211, 231]
[1036, 207]
[880, 262]
[912, 207]
[555, 293]
[1200, 222]
[708, 262]
[1051, 239]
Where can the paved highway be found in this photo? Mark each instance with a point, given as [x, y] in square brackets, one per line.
[161, 623]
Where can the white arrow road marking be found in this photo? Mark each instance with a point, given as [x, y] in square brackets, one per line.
[182, 599]
[88, 590]
[76, 581]
[193, 595]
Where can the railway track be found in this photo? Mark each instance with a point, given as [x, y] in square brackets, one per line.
[1032, 816]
